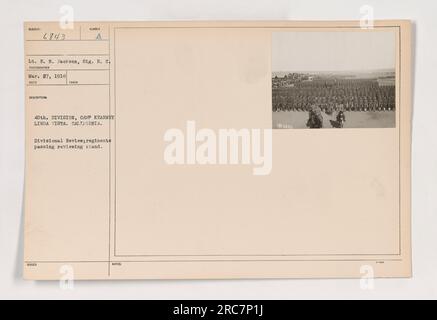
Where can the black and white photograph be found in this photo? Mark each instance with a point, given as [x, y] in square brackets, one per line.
[333, 79]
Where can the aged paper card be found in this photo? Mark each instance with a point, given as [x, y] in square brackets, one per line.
[198, 150]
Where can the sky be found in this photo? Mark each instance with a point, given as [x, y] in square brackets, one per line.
[333, 51]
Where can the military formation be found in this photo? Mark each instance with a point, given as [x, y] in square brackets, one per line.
[333, 94]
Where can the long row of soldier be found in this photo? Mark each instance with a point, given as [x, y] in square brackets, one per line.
[353, 95]
[334, 107]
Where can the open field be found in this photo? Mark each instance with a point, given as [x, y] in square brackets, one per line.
[354, 119]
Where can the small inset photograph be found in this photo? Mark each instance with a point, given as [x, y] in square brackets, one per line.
[332, 80]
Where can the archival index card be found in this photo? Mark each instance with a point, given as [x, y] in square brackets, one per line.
[206, 150]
